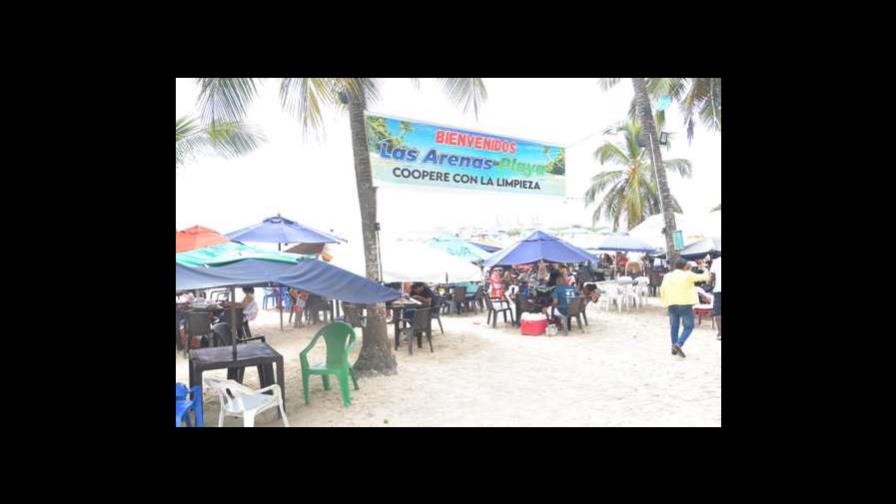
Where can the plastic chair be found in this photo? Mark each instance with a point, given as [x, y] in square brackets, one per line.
[238, 400]
[420, 323]
[184, 404]
[494, 307]
[459, 298]
[642, 289]
[335, 335]
[269, 295]
[197, 324]
[611, 294]
[576, 309]
[437, 311]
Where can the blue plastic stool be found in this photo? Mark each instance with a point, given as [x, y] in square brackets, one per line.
[183, 404]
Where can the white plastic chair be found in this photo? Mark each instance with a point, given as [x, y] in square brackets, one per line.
[611, 294]
[630, 295]
[238, 400]
[643, 289]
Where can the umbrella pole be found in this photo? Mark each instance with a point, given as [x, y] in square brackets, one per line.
[233, 320]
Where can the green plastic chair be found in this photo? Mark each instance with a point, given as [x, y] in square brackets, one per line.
[335, 335]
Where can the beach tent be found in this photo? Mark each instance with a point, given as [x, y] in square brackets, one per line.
[538, 246]
[230, 252]
[699, 250]
[308, 275]
[486, 247]
[460, 248]
[282, 230]
[197, 237]
[623, 243]
[693, 227]
[405, 261]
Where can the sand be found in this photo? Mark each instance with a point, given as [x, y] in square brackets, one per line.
[619, 372]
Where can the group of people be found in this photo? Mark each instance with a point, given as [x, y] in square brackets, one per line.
[552, 286]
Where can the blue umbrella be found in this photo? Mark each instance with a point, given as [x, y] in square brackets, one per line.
[281, 230]
[624, 243]
[487, 248]
[538, 246]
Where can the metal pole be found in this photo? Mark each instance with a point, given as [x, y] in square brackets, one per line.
[233, 320]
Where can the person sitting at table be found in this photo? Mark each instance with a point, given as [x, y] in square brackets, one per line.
[563, 294]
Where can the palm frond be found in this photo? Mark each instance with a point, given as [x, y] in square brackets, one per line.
[611, 152]
[466, 92]
[188, 140]
[304, 98]
[600, 181]
[606, 84]
[232, 139]
[225, 99]
[681, 166]
[717, 208]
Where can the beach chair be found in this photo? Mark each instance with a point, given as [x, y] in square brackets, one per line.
[611, 294]
[187, 401]
[238, 400]
[420, 322]
[335, 335]
[494, 306]
[269, 295]
[642, 289]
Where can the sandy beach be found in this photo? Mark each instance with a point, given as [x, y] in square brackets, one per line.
[619, 372]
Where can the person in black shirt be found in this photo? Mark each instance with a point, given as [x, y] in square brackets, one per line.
[421, 292]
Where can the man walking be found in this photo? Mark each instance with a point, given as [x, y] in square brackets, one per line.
[679, 295]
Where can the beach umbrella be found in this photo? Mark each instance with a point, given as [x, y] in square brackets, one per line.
[230, 252]
[460, 248]
[281, 230]
[693, 227]
[624, 243]
[405, 261]
[197, 237]
[536, 247]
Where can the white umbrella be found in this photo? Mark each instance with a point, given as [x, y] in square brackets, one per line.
[405, 261]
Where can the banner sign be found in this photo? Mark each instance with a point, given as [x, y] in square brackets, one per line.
[413, 153]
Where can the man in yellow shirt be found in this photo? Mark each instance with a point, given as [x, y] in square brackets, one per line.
[679, 295]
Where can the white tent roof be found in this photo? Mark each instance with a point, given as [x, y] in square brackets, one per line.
[694, 227]
[405, 261]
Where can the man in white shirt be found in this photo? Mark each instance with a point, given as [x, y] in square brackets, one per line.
[716, 274]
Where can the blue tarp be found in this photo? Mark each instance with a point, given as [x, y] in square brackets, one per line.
[316, 277]
[539, 246]
[624, 243]
[281, 230]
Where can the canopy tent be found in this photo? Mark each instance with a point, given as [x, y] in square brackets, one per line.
[486, 247]
[538, 246]
[623, 243]
[460, 248]
[404, 261]
[197, 237]
[282, 230]
[699, 250]
[230, 252]
[693, 227]
[313, 276]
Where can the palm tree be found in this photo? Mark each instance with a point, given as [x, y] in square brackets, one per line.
[227, 99]
[695, 96]
[633, 192]
[642, 102]
[226, 138]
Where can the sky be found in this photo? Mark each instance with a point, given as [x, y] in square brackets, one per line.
[311, 180]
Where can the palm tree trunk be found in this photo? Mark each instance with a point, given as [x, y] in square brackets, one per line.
[649, 128]
[376, 351]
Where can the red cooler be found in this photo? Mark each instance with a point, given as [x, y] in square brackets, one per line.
[533, 324]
